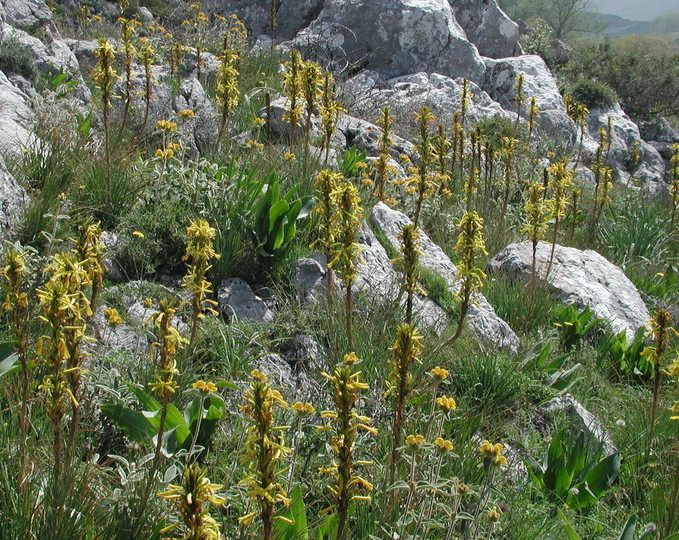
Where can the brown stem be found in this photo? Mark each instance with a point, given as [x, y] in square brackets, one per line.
[654, 407]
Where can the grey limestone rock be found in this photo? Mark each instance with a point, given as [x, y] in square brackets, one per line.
[48, 56]
[236, 299]
[488, 327]
[392, 37]
[13, 198]
[488, 27]
[538, 82]
[583, 278]
[16, 118]
[30, 14]
[581, 418]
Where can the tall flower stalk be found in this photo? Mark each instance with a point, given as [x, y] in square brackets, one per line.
[330, 111]
[345, 422]
[14, 283]
[406, 352]
[227, 92]
[536, 222]
[199, 253]
[423, 182]
[265, 451]
[105, 77]
[560, 180]
[292, 81]
[470, 248]
[410, 265]
[385, 143]
[345, 248]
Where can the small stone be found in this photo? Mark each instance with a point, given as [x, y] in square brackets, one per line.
[236, 299]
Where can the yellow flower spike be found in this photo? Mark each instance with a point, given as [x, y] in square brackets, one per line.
[446, 403]
[138, 234]
[204, 386]
[443, 444]
[415, 440]
[186, 113]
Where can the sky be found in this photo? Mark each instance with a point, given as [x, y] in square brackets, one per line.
[637, 10]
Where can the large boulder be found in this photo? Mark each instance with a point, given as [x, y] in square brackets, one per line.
[48, 57]
[488, 27]
[538, 82]
[392, 37]
[15, 119]
[12, 197]
[293, 15]
[582, 278]
[237, 299]
[378, 278]
[650, 172]
[29, 14]
[404, 95]
[487, 326]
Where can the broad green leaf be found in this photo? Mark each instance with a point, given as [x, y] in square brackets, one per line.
[570, 531]
[132, 423]
[296, 511]
[602, 476]
[9, 364]
[629, 528]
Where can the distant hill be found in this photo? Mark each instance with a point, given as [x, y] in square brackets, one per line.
[637, 10]
[617, 26]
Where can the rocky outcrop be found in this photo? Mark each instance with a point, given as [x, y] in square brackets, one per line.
[650, 172]
[488, 27]
[660, 135]
[364, 136]
[367, 94]
[538, 82]
[29, 14]
[199, 131]
[12, 198]
[236, 299]
[482, 319]
[15, 118]
[582, 278]
[378, 278]
[48, 57]
[392, 37]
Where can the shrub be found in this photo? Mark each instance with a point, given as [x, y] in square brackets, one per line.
[495, 128]
[17, 59]
[593, 93]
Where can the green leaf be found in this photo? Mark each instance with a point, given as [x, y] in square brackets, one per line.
[132, 423]
[602, 476]
[9, 363]
[629, 528]
[570, 531]
[146, 400]
[227, 385]
[296, 511]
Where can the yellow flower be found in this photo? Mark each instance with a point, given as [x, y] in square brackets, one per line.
[166, 125]
[494, 514]
[415, 440]
[186, 113]
[147, 302]
[112, 317]
[446, 403]
[258, 375]
[204, 386]
[439, 373]
[289, 156]
[138, 234]
[303, 408]
[444, 444]
[260, 121]
[351, 358]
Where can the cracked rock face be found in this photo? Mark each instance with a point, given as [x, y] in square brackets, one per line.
[236, 299]
[30, 14]
[486, 325]
[583, 278]
[488, 27]
[12, 198]
[392, 37]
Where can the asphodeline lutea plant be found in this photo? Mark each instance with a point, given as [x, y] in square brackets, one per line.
[674, 190]
[15, 276]
[265, 452]
[164, 385]
[385, 142]
[423, 179]
[199, 252]
[65, 308]
[105, 77]
[442, 146]
[508, 145]
[409, 263]
[330, 111]
[198, 26]
[519, 97]
[345, 252]
[147, 54]
[537, 211]
[192, 499]
[533, 113]
[406, 352]
[128, 34]
[67, 268]
[294, 92]
[311, 90]
[345, 422]
[661, 333]
[673, 372]
[326, 210]
[578, 112]
[560, 180]
[91, 251]
[227, 92]
[470, 250]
